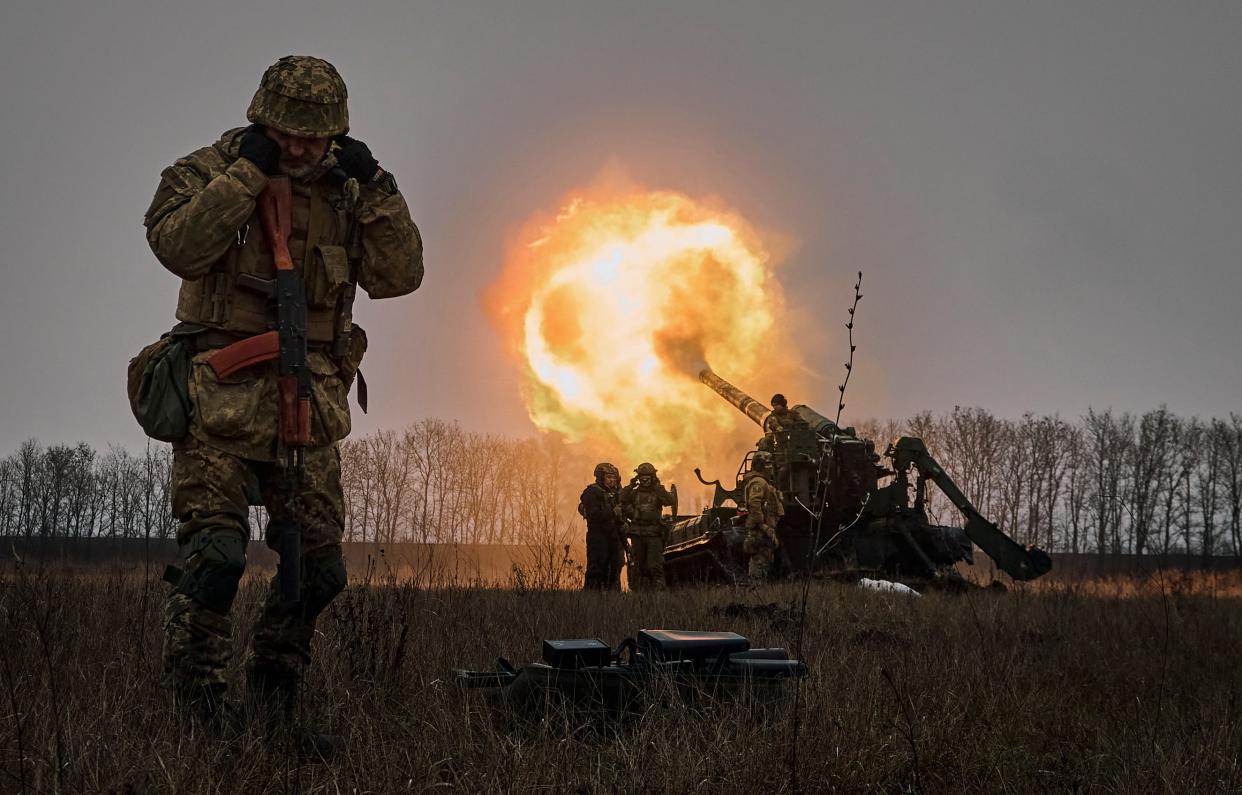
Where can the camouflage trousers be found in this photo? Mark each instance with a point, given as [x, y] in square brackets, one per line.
[646, 569]
[211, 495]
[761, 551]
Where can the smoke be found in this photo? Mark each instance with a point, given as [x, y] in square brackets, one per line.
[683, 353]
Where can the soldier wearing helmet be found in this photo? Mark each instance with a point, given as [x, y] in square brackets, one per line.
[605, 542]
[642, 504]
[764, 509]
[350, 228]
[781, 418]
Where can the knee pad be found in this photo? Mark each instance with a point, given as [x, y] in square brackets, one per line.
[323, 577]
[214, 565]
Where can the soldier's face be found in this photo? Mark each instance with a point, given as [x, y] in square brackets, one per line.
[611, 481]
[645, 480]
[298, 155]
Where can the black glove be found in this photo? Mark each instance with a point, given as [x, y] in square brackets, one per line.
[355, 159]
[260, 150]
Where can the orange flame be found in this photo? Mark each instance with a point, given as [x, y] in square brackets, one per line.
[613, 306]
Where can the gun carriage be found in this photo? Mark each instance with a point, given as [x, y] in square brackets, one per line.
[846, 507]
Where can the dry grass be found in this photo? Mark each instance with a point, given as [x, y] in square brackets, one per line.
[1096, 686]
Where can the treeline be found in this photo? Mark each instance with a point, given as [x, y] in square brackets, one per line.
[74, 491]
[1111, 483]
[436, 483]
[432, 482]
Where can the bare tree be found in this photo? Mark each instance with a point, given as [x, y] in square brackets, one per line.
[1108, 439]
[1157, 432]
[1231, 454]
[1183, 520]
[1207, 478]
[973, 446]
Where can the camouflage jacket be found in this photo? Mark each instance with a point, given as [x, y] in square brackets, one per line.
[776, 422]
[643, 506]
[763, 502]
[598, 506]
[202, 226]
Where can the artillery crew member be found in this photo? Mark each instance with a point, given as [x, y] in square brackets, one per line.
[600, 505]
[764, 509]
[349, 227]
[642, 502]
[781, 418]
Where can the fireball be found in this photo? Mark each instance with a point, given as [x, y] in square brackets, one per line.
[613, 305]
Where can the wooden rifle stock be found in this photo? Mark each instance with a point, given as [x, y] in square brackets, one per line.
[275, 214]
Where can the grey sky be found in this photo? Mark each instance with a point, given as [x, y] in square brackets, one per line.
[1045, 198]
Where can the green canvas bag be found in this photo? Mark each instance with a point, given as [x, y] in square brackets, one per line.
[158, 385]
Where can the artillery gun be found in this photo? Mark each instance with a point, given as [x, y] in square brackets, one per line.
[844, 509]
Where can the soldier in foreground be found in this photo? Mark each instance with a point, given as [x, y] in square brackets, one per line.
[605, 541]
[763, 510]
[642, 503]
[350, 227]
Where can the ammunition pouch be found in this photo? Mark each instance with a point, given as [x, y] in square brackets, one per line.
[214, 562]
[330, 420]
[327, 276]
[158, 385]
[240, 405]
[636, 530]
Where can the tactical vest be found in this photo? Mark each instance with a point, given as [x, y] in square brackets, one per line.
[236, 294]
[646, 506]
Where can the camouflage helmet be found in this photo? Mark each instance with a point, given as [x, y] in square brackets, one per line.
[645, 469]
[301, 95]
[605, 469]
[760, 461]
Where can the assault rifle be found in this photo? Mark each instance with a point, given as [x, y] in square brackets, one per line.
[286, 344]
[294, 382]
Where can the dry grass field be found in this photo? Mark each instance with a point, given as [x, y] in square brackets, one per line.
[1102, 686]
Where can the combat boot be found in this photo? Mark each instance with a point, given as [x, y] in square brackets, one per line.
[274, 696]
[205, 706]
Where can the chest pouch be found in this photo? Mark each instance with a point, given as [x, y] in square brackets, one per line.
[327, 276]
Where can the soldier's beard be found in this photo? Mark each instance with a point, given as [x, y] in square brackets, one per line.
[297, 170]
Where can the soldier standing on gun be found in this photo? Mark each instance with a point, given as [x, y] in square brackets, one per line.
[781, 418]
[642, 502]
[350, 227]
[764, 509]
[605, 543]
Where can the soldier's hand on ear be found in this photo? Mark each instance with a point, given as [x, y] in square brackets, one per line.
[355, 159]
[259, 149]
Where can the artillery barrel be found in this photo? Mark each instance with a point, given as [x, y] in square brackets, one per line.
[818, 422]
[742, 401]
[759, 412]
